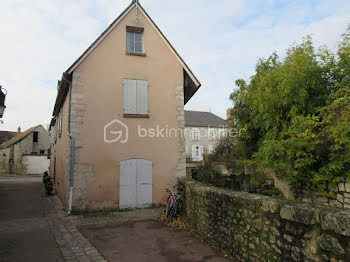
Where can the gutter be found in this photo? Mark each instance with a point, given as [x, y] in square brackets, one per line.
[71, 146]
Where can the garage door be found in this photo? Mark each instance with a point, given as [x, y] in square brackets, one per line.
[135, 183]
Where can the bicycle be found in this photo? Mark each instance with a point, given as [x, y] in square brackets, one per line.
[174, 204]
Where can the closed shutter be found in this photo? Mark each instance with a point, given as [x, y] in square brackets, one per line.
[144, 182]
[127, 190]
[194, 153]
[142, 97]
[53, 135]
[135, 96]
[130, 96]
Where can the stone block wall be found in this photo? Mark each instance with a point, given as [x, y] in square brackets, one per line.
[83, 172]
[180, 170]
[257, 228]
[4, 161]
[338, 196]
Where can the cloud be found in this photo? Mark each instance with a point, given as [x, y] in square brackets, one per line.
[220, 40]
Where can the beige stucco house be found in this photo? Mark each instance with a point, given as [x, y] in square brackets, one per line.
[203, 131]
[26, 152]
[106, 149]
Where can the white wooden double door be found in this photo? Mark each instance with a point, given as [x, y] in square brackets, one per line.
[135, 183]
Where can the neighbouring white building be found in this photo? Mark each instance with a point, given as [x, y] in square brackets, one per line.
[203, 130]
[26, 152]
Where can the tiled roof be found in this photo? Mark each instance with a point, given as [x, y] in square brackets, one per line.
[6, 135]
[203, 119]
[17, 138]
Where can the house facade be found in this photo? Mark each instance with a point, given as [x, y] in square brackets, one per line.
[26, 152]
[203, 130]
[128, 82]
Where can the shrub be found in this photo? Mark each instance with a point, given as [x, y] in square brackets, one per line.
[207, 172]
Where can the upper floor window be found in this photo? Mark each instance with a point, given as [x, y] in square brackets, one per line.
[134, 37]
[59, 123]
[195, 134]
[212, 134]
[35, 136]
[222, 132]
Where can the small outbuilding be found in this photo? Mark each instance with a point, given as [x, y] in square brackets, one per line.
[26, 152]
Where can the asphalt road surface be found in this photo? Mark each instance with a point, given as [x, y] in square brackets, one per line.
[148, 241]
[24, 232]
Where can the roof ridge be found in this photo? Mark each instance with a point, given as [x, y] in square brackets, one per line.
[197, 111]
[115, 23]
[18, 137]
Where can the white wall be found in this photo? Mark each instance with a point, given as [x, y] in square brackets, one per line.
[204, 141]
[36, 164]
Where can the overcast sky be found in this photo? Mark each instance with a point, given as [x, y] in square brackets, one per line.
[220, 40]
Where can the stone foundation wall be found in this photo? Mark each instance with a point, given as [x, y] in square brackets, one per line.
[257, 228]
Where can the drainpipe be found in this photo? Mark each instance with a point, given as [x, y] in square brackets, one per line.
[71, 168]
[71, 151]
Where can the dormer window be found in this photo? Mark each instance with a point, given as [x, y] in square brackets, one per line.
[134, 37]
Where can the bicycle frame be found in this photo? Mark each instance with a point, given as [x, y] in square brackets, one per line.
[172, 202]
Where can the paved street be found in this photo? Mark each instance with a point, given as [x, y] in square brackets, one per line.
[148, 241]
[36, 228]
[24, 232]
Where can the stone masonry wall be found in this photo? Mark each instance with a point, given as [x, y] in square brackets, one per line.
[180, 170]
[338, 196]
[4, 161]
[82, 171]
[257, 228]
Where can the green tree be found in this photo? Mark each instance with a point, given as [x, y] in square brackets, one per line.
[296, 113]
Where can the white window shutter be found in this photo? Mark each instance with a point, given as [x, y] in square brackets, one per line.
[186, 149]
[130, 96]
[142, 97]
[194, 153]
[200, 153]
[53, 135]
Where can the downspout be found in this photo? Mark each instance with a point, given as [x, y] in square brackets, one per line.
[71, 151]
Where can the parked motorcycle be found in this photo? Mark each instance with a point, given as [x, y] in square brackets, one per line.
[48, 183]
[48, 187]
[45, 177]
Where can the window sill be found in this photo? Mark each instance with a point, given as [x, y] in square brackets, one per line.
[136, 115]
[135, 54]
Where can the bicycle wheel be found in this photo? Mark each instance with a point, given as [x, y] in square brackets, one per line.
[172, 212]
[177, 208]
[180, 206]
[168, 207]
